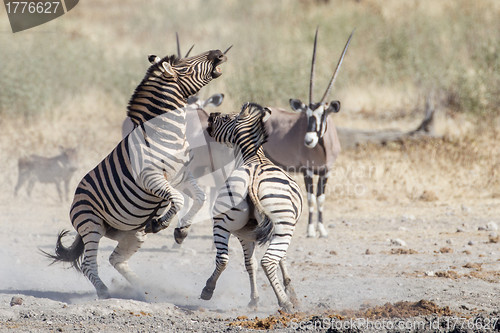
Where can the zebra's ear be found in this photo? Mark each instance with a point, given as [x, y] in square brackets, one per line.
[169, 71]
[154, 59]
[267, 114]
[245, 110]
[214, 100]
[334, 107]
[297, 105]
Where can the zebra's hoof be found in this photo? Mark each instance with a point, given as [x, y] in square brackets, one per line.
[180, 234]
[154, 227]
[253, 303]
[104, 294]
[287, 307]
[206, 293]
[149, 228]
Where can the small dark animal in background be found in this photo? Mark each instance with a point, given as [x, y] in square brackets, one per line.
[55, 170]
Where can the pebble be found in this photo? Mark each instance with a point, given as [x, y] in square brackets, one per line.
[470, 243]
[460, 229]
[398, 242]
[16, 300]
[430, 273]
[408, 217]
[331, 225]
[466, 209]
[492, 226]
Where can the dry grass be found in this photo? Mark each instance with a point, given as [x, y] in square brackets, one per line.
[68, 82]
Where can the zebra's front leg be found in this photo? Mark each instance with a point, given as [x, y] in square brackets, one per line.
[287, 281]
[251, 266]
[311, 202]
[323, 178]
[181, 232]
[221, 240]
[176, 203]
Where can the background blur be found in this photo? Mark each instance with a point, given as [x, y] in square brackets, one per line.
[68, 82]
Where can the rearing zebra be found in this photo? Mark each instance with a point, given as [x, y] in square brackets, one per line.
[258, 203]
[132, 191]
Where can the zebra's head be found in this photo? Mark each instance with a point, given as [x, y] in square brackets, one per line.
[240, 129]
[191, 73]
[317, 113]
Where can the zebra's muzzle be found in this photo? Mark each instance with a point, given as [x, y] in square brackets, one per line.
[218, 58]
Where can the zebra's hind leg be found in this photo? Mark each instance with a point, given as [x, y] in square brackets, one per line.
[251, 266]
[91, 230]
[274, 254]
[128, 244]
[287, 281]
[199, 197]
[221, 240]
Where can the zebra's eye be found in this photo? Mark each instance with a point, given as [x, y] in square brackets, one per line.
[182, 70]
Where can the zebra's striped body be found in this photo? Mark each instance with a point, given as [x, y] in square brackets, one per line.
[132, 191]
[259, 203]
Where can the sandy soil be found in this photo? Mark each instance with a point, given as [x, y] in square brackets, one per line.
[383, 248]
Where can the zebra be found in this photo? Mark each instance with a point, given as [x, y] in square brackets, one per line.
[259, 203]
[132, 191]
[58, 169]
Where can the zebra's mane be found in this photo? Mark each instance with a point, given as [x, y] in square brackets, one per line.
[172, 59]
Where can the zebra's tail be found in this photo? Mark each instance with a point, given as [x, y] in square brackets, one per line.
[72, 254]
[265, 228]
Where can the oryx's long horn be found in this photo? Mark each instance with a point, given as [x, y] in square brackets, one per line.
[178, 45]
[330, 85]
[189, 51]
[311, 82]
[229, 48]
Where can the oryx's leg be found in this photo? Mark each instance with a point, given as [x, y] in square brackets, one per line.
[323, 178]
[287, 282]
[221, 241]
[198, 199]
[91, 229]
[251, 266]
[128, 244]
[274, 254]
[311, 201]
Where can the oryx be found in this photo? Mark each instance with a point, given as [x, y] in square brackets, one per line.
[306, 141]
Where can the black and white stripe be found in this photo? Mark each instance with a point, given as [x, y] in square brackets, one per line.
[133, 190]
[258, 203]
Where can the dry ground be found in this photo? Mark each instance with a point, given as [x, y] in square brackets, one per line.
[412, 223]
